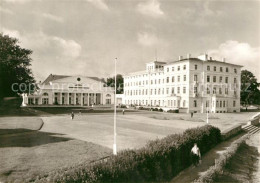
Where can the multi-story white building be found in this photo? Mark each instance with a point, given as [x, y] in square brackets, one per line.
[70, 91]
[191, 84]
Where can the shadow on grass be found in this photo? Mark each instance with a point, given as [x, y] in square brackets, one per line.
[28, 138]
[242, 165]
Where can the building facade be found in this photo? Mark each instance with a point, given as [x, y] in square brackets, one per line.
[70, 91]
[191, 84]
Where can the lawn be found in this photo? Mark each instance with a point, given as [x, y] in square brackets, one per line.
[31, 153]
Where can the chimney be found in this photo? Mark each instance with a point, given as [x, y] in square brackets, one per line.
[180, 57]
[188, 55]
[224, 59]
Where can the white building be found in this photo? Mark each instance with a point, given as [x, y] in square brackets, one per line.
[70, 91]
[191, 84]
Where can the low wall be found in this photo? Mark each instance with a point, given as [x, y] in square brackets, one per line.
[254, 121]
[226, 134]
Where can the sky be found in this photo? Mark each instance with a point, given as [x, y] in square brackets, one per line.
[83, 37]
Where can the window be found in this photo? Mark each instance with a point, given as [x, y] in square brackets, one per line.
[224, 103]
[220, 91]
[195, 89]
[178, 68]
[151, 82]
[46, 94]
[234, 103]
[159, 91]
[172, 68]
[214, 79]
[220, 79]
[214, 90]
[235, 70]
[178, 90]
[178, 78]
[172, 90]
[195, 78]
[208, 68]
[167, 90]
[196, 67]
[208, 90]
[151, 92]
[184, 78]
[226, 91]
[184, 67]
[226, 69]
[184, 89]
[155, 91]
[172, 78]
[45, 101]
[195, 103]
[208, 79]
[167, 69]
[235, 80]
[221, 69]
[226, 80]
[215, 68]
[159, 81]
[184, 102]
[167, 79]
[207, 103]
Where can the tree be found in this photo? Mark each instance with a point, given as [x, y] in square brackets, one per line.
[119, 83]
[250, 93]
[15, 73]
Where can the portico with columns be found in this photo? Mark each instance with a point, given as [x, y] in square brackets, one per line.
[70, 91]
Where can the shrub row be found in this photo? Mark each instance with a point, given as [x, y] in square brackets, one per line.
[214, 171]
[159, 160]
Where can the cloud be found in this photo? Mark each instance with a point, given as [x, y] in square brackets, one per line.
[19, 1]
[146, 39]
[239, 53]
[100, 4]
[53, 17]
[11, 33]
[150, 8]
[5, 10]
[47, 45]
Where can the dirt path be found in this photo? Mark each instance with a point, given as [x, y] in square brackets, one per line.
[192, 173]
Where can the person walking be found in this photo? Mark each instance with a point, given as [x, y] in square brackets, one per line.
[191, 114]
[72, 115]
[123, 112]
[195, 155]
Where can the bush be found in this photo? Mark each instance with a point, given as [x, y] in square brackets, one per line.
[160, 110]
[159, 160]
[173, 111]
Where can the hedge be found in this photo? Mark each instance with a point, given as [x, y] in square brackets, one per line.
[159, 160]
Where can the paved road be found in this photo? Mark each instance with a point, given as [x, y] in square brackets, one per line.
[133, 131]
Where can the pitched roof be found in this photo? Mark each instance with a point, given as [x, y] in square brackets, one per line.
[53, 77]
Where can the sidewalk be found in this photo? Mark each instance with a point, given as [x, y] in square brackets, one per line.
[192, 173]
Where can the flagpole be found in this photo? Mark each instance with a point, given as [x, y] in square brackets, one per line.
[114, 145]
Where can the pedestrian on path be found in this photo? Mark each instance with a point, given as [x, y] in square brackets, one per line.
[195, 155]
[191, 114]
[123, 112]
[72, 115]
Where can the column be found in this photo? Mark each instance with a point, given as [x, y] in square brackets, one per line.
[74, 98]
[95, 98]
[101, 98]
[34, 100]
[68, 98]
[81, 99]
[88, 99]
[60, 98]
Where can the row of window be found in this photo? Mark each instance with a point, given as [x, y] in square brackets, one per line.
[214, 79]
[217, 104]
[171, 103]
[172, 90]
[172, 79]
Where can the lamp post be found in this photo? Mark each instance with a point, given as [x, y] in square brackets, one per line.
[114, 145]
[208, 115]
